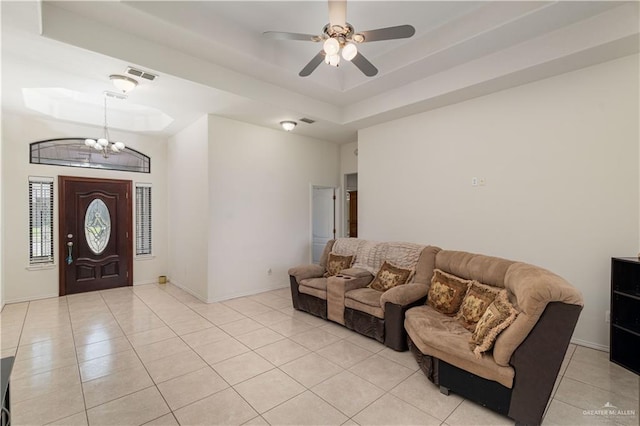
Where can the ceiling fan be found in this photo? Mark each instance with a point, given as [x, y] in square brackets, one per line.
[340, 39]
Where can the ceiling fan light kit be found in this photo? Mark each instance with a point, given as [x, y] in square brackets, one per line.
[340, 39]
[349, 51]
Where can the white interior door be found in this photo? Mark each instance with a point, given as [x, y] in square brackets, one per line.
[323, 220]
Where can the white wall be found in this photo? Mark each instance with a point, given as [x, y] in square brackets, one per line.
[259, 186]
[2, 204]
[348, 158]
[560, 159]
[189, 208]
[18, 131]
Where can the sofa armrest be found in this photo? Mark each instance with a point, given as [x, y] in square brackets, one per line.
[352, 283]
[357, 273]
[404, 294]
[304, 272]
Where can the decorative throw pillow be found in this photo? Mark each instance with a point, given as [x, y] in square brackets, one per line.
[390, 276]
[446, 292]
[499, 315]
[337, 263]
[475, 302]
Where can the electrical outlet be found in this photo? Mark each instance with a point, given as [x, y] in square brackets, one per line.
[607, 316]
[474, 181]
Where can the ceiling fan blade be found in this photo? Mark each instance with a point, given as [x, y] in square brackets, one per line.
[337, 12]
[313, 64]
[277, 35]
[389, 33]
[364, 65]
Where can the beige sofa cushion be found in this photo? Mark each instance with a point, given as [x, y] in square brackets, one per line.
[371, 310]
[317, 283]
[366, 300]
[445, 338]
[314, 287]
[320, 294]
[485, 269]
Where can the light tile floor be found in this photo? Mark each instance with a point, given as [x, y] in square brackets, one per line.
[154, 354]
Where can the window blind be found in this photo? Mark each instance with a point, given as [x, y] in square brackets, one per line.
[40, 220]
[143, 219]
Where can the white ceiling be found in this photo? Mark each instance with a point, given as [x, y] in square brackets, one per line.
[211, 57]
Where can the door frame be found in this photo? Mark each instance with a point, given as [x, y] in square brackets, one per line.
[62, 238]
[336, 209]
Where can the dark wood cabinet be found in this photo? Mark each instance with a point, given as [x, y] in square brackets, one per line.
[624, 341]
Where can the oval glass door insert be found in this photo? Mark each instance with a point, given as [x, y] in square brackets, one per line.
[97, 226]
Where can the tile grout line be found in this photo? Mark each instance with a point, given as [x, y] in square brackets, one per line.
[203, 360]
[134, 350]
[84, 402]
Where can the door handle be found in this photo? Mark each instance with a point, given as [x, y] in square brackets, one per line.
[70, 250]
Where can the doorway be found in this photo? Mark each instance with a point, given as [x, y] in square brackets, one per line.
[352, 198]
[95, 249]
[351, 205]
[323, 219]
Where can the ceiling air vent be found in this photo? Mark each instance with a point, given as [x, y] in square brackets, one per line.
[307, 120]
[141, 74]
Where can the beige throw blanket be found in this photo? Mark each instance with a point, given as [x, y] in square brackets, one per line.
[370, 255]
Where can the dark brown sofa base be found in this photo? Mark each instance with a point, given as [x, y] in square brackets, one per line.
[307, 303]
[389, 331]
[365, 324]
[536, 362]
[485, 392]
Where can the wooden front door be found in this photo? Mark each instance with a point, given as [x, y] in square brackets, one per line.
[353, 214]
[96, 252]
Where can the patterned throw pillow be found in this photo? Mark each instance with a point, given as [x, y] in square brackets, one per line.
[446, 292]
[475, 302]
[499, 315]
[336, 263]
[390, 276]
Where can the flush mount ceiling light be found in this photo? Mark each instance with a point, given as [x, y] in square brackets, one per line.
[103, 145]
[123, 83]
[288, 125]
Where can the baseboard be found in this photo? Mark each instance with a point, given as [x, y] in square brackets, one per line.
[579, 342]
[246, 293]
[30, 299]
[188, 290]
[145, 282]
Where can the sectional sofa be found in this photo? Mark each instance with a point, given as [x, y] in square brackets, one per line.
[492, 330]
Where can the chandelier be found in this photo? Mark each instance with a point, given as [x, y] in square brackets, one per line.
[103, 144]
